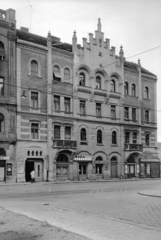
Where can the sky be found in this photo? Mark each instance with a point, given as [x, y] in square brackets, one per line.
[134, 24]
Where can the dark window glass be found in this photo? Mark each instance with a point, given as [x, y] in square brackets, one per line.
[1, 86]
[98, 82]
[67, 104]
[56, 103]
[56, 132]
[134, 137]
[82, 108]
[126, 88]
[147, 139]
[82, 79]
[133, 91]
[114, 137]
[146, 116]
[126, 113]
[34, 99]
[113, 86]
[127, 137]
[67, 132]
[98, 109]
[83, 134]
[134, 114]
[113, 111]
[99, 136]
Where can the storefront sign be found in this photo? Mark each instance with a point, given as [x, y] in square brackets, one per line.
[9, 169]
[4, 158]
[82, 158]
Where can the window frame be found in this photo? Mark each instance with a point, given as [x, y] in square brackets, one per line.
[2, 123]
[98, 82]
[127, 137]
[98, 110]
[82, 82]
[32, 103]
[57, 132]
[2, 88]
[67, 133]
[135, 137]
[56, 103]
[82, 106]
[133, 90]
[147, 139]
[113, 111]
[134, 114]
[58, 77]
[113, 85]
[114, 137]
[99, 136]
[146, 92]
[126, 113]
[126, 88]
[67, 104]
[147, 116]
[83, 135]
[33, 133]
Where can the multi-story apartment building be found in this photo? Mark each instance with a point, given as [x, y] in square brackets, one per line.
[7, 96]
[82, 111]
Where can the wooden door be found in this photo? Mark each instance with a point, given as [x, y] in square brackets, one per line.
[155, 170]
[113, 169]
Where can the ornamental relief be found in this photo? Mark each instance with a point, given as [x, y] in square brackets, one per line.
[33, 49]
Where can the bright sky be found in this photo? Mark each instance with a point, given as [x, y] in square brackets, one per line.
[135, 24]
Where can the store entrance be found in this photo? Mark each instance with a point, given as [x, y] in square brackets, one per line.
[29, 168]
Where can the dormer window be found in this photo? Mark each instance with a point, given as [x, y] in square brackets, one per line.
[2, 51]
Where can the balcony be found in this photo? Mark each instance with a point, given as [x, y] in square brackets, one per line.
[133, 147]
[65, 144]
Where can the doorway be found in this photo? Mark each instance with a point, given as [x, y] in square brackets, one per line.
[114, 167]
[29, 168]
[34, 164]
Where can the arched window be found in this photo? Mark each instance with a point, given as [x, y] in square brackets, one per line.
[99, 158]
[56, 74]
[113, 159]
[99, 136]
[83, 134]
[126, 88]
[2, 51]
[1, 123]
[62, 158]
[146, 92]
[82, 79]
[113, 87]
[114, 137]
[98, 82]
[133, 90]
[34, 68]
[66, 75]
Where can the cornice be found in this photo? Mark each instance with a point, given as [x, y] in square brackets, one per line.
[83, 90]
[36, 48]
[62, 54]
[148, 79]
[130, 71]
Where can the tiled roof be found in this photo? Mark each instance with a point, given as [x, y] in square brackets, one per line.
[30, 37]
[133, 66]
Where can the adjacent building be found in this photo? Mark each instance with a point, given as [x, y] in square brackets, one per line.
[83, 112]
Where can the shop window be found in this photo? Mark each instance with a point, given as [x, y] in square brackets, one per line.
[114, 137]
[113, 111]
[98, 82]
[98, 109]
[126, 113]
[56, 103]
[34, 68]
[34, 131]
[1, 86]
[146, 92]
[99, 136]
[66, 75]
[133, 90]
[56, 132]
[133, 114]
[82, 107]
[147, 139]
[127, 137]
[126, 88]
[113, 87]
[82, 79]
[56, 74]
[2, 51]
[67, 104]
[34, 100]
[1, 123]
[67, 132]
[82, 169]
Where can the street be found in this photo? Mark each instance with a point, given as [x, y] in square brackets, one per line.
[97, 211]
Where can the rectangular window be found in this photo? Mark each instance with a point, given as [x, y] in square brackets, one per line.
[34, 100]
[67, 104]
[56, 103]
[67, 132]
[127, 137]
[133, 114]
[146, 115]
[1, 86]
[113, 111]
[34, 130]
[82, 108]
[126, 113]
[56, 132]
[134, 137]
[98, 109]
[147, 139]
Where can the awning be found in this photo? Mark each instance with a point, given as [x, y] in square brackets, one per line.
[56, 74]
[83, 158]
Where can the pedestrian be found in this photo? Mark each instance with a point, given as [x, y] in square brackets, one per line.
[32, 176]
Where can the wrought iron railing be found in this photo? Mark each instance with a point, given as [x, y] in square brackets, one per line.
[64, 144]
[133, 147]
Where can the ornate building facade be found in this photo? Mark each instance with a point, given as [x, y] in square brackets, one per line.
[82, 111]
[8, 104]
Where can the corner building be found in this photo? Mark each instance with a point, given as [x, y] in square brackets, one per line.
[82, 111]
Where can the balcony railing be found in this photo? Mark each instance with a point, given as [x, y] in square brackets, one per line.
[133, 147]
[66, 144]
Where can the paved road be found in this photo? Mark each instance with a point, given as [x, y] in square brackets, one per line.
[110, 210]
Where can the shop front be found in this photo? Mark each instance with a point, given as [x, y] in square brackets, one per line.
[62, 167]
[83, 166]
[36, 164]
[132, 166]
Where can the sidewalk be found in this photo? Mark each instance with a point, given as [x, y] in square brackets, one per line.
[87, 181]
[151, 193]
